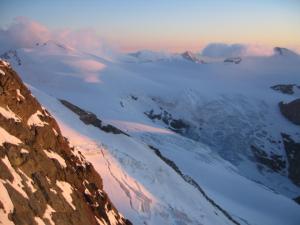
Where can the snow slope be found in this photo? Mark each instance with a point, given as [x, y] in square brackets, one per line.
[228, 107]
[137, 181]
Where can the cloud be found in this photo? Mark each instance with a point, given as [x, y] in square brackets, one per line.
[220, 50]
[82, 39]
[89, 69]
[24, 32]
[259, 50]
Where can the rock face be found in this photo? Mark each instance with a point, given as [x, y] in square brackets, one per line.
[293, 155]
[90, 118]
[176, 125]
[42, 179]
[291, 111]
[297, 200]
[274, 162]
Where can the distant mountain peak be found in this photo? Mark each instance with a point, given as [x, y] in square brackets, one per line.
[12, 55]
[188, 55]
[284, 51]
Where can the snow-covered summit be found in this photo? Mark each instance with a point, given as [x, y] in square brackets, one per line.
[188, 55]
[284, 52]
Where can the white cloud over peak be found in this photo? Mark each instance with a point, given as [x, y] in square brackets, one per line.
[223, 50]
[24, 32]
[219, 50]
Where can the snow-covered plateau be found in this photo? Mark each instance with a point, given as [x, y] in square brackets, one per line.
[202, 141]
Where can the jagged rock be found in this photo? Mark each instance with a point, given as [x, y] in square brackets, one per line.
[43, 178]
[297, 200]
[134, 97]
[12, 54]
[292, 149]
[291, 111]
[176, 125]
[275, 162]
[91, 119]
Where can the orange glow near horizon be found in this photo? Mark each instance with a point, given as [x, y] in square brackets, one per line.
[198, 46]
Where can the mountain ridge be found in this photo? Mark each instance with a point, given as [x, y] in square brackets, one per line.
[43, 180]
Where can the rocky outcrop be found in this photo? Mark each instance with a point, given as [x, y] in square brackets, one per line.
[12, 55]
[91, 119]
[292, 150]
[176, 125]
[297, 199]
[291, 111]
[235, 60]
[192, 57]
[274, 162]
[285, 88]
[192, 182]
[42, 179]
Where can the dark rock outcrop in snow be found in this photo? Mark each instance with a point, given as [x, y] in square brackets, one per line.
[291, 111]
[191, 57]
[91, 119]
[176, 125]
[292, 149]
[297, 200]
[42, 179]
[12, 54]
[192, 182]
[285, 88]
[274, 162]
[235, 60]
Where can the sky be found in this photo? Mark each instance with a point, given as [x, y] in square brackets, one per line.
[173, 25]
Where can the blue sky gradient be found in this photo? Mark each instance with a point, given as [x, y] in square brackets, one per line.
[170, 23]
